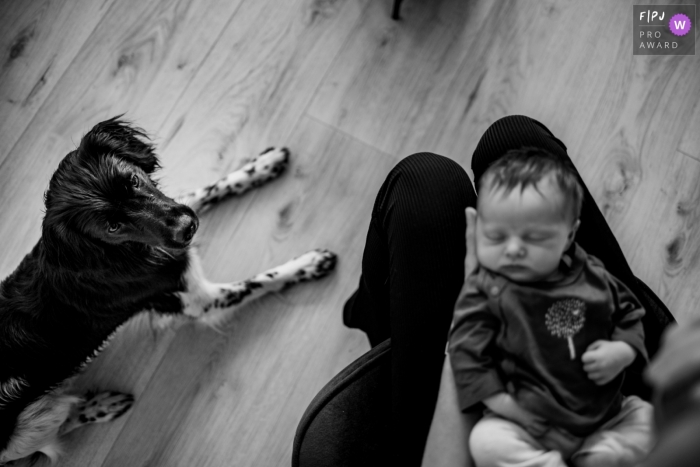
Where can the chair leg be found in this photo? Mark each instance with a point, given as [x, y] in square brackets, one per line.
[397, 7]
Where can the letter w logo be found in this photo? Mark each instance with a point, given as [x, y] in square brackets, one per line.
[681, 23]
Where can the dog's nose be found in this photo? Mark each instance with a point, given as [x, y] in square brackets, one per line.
[188, 230]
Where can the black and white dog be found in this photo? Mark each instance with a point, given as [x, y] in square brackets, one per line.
[112, 246]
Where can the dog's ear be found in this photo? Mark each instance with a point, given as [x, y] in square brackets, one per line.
[118, 137]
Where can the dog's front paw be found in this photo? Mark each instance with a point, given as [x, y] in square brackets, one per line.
[318, 263]
[268, 165]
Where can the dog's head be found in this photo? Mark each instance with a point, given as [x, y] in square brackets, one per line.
[103, 190]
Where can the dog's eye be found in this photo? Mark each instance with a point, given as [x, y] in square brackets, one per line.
[113, 227]
[135, 182]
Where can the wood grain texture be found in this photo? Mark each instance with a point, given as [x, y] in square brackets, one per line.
[569, 65]
[350, 92]
[390, 82]
[127, 366]
[690, 144]
[666, 254]
[634, 160]
[255, 85]
[130, 62]
[38, 41]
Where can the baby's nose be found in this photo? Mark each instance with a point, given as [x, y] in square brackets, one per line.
[515, 249]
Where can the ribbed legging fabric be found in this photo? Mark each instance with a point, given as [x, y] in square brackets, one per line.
[413, 269]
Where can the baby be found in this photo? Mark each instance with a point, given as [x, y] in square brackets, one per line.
[542, 332]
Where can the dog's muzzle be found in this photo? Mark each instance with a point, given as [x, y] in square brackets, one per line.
[188, 225]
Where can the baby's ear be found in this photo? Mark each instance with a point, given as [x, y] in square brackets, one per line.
[577, 224]
[572, 234]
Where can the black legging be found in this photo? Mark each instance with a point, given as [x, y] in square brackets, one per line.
[413, 269]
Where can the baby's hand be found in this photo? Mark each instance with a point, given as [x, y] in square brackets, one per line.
[604, 360]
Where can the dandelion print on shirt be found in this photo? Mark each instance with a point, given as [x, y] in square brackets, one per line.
[564, 319]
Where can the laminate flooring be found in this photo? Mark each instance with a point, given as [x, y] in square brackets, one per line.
[351, 93]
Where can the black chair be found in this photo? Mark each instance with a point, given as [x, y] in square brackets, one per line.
[347, 422]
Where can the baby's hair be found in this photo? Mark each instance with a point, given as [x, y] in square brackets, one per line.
[527, 166]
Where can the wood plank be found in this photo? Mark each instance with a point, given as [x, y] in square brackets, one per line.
[690, 144]
[634, 160]
[562, 79]
[536, 60]
[256, 83]
[140, 59]
[391, 79]
[666, 255]
[508, 66]
[126, 365]
[621, 116]
[236, 398]
[39, 40]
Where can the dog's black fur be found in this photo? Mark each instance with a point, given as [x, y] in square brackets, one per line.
[112, 245]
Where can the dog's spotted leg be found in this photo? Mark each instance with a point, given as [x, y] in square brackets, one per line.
[215, 303]
[312, 265]
[98, 408]
[267, 166]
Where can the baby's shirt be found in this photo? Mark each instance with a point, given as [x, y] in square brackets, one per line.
[527, 340]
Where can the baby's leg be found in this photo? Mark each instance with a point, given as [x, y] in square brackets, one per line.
[624, 441]
[497, 442]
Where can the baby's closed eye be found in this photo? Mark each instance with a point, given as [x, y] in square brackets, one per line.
[494, 236]
[538, 237]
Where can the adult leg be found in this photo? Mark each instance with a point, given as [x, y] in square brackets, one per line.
[594, 235]
[412, 271]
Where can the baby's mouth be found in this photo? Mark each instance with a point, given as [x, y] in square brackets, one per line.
[513, 267]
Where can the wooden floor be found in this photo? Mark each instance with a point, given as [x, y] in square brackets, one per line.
[350, 92]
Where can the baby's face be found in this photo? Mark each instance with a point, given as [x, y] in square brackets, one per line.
[522, 235]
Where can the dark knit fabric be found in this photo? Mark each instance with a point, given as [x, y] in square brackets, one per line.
[413, 269]
[412, 272]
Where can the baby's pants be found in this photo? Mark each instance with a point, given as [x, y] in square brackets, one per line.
[623, 441]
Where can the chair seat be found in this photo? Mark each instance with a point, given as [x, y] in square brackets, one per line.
[347, 423]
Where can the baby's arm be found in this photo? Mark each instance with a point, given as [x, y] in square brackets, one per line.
[474, 355]
[605, 359]
[472, 348]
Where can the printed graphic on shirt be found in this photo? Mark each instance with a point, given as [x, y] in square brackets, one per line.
[564, 319]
